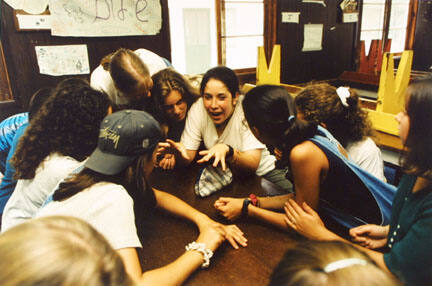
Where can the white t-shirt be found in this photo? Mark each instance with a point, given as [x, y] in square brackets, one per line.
[107, 207]
[29, 195]
[367, 155]
[200, 127]
[100, 79]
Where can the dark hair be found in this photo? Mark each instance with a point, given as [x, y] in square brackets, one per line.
[127, 70]
[418, 159]
[164, 82]
[224, 74]
[68, 123]
[37, 100]
[304, 265]
[132, 179]
[320, 103]
[269, 108]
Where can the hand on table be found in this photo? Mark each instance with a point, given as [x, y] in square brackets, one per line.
[230, 208]
[230, 232]
[218, 152]
[304, 220]
[370, 235]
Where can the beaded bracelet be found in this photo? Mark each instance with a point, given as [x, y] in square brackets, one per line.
[201, 247]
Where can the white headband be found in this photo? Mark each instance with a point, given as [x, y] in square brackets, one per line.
[343, 93]
[339, 264]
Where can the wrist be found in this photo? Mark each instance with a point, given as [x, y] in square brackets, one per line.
[230, 152]
[201, 248]
[245, 207]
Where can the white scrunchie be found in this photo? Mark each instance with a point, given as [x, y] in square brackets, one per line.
[343, 93]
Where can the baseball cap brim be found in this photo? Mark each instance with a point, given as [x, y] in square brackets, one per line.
[107, 163]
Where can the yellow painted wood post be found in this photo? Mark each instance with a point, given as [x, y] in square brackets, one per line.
[269, 74]
[391, 92]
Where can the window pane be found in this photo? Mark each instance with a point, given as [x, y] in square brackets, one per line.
[399, 15]
[372, 17]
[244, 19]
[241, 52]
[398, 40]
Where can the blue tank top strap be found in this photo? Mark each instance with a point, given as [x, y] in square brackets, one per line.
[382, 192]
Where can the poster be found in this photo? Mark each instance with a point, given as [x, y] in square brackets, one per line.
[103, 18]
[63, 59]
[313, 34]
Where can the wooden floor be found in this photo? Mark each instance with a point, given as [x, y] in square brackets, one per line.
[165, 237]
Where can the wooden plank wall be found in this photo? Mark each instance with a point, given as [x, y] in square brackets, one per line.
[339, 42]
[21, 62]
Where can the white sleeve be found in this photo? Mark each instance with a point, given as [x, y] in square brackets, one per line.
[192, 136]
[97, 79]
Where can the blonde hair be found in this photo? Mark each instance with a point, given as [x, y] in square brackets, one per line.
[305, 265]
[58, 250]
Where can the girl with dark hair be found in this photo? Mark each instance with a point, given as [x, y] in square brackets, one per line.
[112, 193]
[339, 112]
[408, 237]
[217, 120]
[61, 135]
[322, 175]
[125, 76]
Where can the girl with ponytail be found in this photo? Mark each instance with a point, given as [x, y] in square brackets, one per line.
[345, 195]
[338, 111]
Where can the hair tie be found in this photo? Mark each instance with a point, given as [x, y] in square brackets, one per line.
[343, 263]
[291, 118]
[343, 93]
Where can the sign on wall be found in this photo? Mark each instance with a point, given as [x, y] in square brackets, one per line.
[101, 18]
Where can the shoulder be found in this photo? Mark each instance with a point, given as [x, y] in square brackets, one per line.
[307, 152]
[153, 61]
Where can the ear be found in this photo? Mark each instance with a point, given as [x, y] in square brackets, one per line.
[323, 125]
[235, 98]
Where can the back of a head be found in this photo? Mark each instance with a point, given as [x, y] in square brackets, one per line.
[328, 264]
[68, 123]
[224, 74]
[338, 109]
[37, 100]
[58, 250]
[128, 70]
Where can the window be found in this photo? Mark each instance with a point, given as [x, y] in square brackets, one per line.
[205, 33]
[241, 30]
[389, 19]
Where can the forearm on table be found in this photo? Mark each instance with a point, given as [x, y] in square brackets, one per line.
[274, 202]
[174, 273]
[178, 207]
[245, 160]
[274, 218]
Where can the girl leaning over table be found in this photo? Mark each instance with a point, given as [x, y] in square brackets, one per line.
[112, 193]
[408, 238]
[217, 120]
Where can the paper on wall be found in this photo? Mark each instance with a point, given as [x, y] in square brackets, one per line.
[290, 17]
[96, 18]
[29, 6]
[63, 60]
[313, 34]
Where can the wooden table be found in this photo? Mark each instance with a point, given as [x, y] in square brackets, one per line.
[165, 236]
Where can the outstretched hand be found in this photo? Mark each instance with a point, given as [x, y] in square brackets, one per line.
[370, 235]
[172, 149]
[218, 152]
[230, 208]
[304, 220]
[230, 232]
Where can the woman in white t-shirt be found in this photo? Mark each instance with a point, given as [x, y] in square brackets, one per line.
[217, 120]
[339, 112]
[112, 193]
[61, 135]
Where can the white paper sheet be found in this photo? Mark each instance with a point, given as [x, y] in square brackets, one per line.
[30, 6]
[313, 34]
[63, 60]
[96, 18]
[290, 17]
